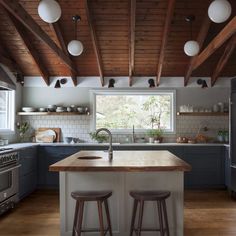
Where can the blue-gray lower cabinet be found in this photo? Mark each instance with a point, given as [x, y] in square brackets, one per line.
[208, 167]
[28, 171]
[47, 156]
[227, 167]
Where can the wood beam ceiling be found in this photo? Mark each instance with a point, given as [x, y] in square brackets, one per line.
[217, 42]
[229, 49]
[15, 8]
[132, 39]
[200, 39]
[24, 34]
[94, 41]
[7, 59]
[58, 32]
[169, 17]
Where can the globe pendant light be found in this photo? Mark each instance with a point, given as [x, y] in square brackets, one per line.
[191, 47]
[219, 11]
[75, 47]
[49, 11]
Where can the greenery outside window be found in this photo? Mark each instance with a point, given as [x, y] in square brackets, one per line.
[121, 110]
[7, 110]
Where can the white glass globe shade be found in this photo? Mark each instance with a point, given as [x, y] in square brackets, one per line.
[75, 47]
[49, 11]
[191, 48]
[219, 11]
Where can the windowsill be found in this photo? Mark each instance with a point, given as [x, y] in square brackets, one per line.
[7, 132]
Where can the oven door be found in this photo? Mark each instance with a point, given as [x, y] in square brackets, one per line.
[9, 182]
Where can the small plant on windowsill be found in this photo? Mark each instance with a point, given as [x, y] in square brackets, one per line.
[22, 128]
[100, 138]
[155, 135]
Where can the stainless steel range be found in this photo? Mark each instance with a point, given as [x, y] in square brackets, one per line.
[9, 179]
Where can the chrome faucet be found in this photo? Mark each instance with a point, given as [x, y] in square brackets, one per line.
[110, 150]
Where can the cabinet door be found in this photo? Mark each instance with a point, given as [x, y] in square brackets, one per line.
[28, 160]
[207, 167]
[27, 184]
[49, 155]
[227, 167]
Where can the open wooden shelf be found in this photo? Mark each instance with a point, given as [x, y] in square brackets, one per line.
[52, 114]
[202, 113]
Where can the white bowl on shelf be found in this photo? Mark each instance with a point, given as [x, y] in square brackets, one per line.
[28, 109]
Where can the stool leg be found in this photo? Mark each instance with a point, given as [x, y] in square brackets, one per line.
[108, 217]
[80, 219]
[100, 218]
[160, 218]
[75, 217]
[165, 217]
[133, 217]
[140, 218]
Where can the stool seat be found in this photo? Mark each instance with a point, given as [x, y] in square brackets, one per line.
[91, 195]
[150, 195]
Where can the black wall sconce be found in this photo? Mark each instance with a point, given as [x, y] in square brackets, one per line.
[111, 83]
[151, 83]
[202, 82]
[60, 82]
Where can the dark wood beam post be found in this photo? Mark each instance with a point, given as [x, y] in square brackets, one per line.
[169, 17]
[132, 40]
[200, 39]
[229, 49]
[15, 8]
[7, 59]
[58, 32]
[94, 41]
[219, 40]
[28, 43]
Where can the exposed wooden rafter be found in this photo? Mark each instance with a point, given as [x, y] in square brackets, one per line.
[169, 16]
[58, 32]
[15, 8]
[200, 39]
[6, 58]
[94, 41]
[229, 49]
[24, 34]
[218, 41]
[132, 39]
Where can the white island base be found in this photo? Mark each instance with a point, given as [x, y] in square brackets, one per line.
[120, 204]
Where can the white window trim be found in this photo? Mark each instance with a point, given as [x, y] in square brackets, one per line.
[11, 113]
[95, 92]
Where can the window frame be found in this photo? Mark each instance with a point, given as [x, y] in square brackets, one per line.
[94, 93]
[10, 113]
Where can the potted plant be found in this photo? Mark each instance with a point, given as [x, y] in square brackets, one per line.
[100, 138]
[220, 136]
[155, 135]
[22, 128]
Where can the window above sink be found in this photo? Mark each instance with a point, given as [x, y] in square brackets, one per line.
[120, 110]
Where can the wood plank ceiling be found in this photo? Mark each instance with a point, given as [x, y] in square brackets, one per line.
[120, 38]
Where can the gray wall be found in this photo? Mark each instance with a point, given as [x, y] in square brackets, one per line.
[41, 97]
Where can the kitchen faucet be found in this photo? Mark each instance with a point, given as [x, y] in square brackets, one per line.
[133, 135]
[110, 150]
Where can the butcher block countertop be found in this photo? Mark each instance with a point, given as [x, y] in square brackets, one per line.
[123, 161]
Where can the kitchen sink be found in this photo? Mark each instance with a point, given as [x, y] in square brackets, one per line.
[89, 157]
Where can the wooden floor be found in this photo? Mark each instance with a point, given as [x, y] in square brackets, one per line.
[207, 213]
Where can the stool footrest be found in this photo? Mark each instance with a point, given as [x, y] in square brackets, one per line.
[148, 229]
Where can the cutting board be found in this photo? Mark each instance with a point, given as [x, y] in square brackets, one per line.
[56, 130]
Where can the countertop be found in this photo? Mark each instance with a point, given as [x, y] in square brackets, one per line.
[126, 161]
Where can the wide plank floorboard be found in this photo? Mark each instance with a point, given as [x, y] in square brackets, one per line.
[207, 213]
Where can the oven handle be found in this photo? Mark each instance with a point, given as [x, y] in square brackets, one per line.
[10, 169]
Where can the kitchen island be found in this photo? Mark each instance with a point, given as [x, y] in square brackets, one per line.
[129, 170]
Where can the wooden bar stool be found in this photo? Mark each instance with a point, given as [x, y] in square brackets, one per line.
[142, 196]
[84, 196]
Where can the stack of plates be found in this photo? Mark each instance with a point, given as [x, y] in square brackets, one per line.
[28, 109]
[60, 109]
